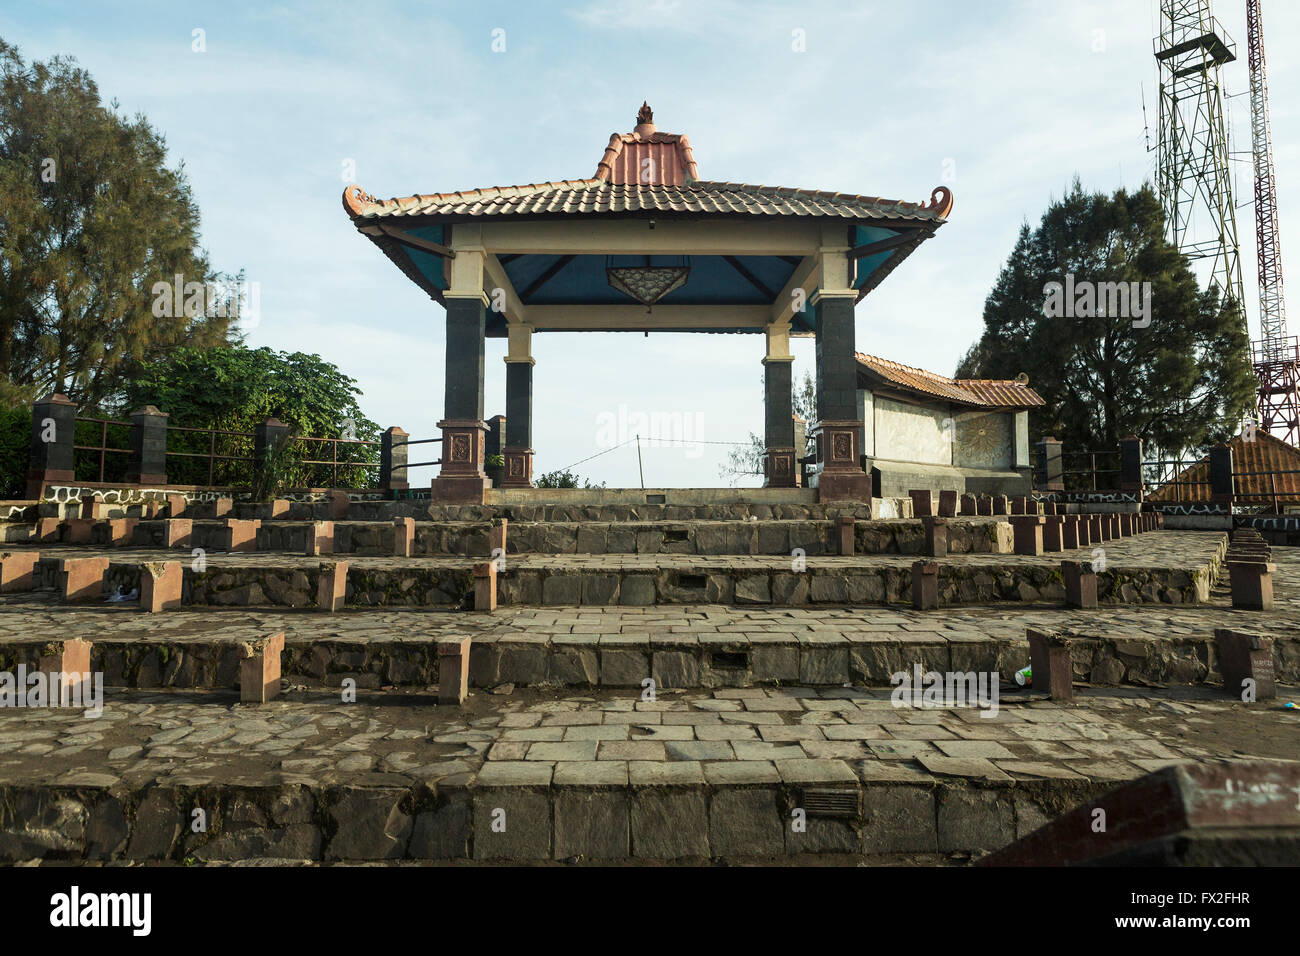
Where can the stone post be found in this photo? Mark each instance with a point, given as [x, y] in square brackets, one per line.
[936, 537]
[1080, 584]
[1221, 490]
[259, 669]
[844, 527]
[453, 670]
[1051, 469]
[1246, 657]
[925, 585]
[267, 437]
[52, 458]
[148, 464]
[1130, 466]
[461, 479]
[517, 443]
[779, 469]
[1028, 533]
[393, 459]
[839, 428]
[1049, 658]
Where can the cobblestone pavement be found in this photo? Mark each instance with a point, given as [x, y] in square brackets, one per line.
[1156, 549]
[32, 617]
[728, 736]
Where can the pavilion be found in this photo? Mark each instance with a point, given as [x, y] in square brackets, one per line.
[645, 244]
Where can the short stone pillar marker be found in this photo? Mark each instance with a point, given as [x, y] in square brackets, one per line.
[90, 509]
[922, 503]
[1049, 658]
[947, 504]
[1252, 584]
[984, 505]
[240, 534]
[332, 588]
[403, 537]
[1053, 533]
[1020, 505]
[176, 506]
[936, 537]
[121, 532]
[47, 530]
[485, 586]
[1027, 531]
[339, 503]
[1069, 532]
[278, 508]
[1246, 657]
[18, 570]
[844, 533]
[66, 664]
[497, 536]
[1083, 529]
[453, 670]
[223, 506]
[925, 585]
[160, 586]
[259, 669]
[82, 579]
[1080, 584]
[320, 539]
[178, 532]
[969, 505]
[1100, 528]
[1000, 505]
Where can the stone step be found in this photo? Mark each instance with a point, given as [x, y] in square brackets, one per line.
[680, 663]
[240, 579]
[735, 774]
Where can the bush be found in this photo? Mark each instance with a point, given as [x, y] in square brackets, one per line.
[564, 479]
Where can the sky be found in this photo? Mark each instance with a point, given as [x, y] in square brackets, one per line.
[286, 103]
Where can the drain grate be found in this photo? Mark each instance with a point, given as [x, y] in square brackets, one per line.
[830, 803]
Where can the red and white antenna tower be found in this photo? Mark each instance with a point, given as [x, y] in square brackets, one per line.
[1275, 354]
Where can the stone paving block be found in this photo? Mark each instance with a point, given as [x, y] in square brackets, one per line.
[515, 773]
[332, 587]
[511, 824]
[646, 773]
[160, 586]
[17, 570]
[745, 823]
[669, 823]
[969, 820]
[82, 579]
[371, 824]
[741, 772]
[774, 663]
[259, 669]
[824, 665]
[632, 750]
[815, 771]
[574, 666]
[443, 833]
[899, 819]
[623, 668]
[568, 750]
[592, 824]
[675, 669]
[590, 773]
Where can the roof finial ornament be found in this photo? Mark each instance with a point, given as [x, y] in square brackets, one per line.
[645, 114]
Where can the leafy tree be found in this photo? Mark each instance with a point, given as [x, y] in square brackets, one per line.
[747, 458]
[234, 388]
[91, 219]
[1175, 372]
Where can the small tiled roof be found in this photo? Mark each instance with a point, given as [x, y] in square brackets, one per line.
[980, 392]
[646, 155]
[596, 196]
[1255, 463]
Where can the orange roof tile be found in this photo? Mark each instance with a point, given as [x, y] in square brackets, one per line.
[1255, 463]
[991, 393]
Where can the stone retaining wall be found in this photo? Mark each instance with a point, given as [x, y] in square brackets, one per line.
[90, 821]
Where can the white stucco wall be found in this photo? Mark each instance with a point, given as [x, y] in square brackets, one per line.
[905, 432]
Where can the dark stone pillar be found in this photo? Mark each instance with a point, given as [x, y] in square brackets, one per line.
[839, 430]
[1130, 465]
[52, 457]
[462, 479]
[1051, 470]
[266, 437]
[1221, 474]
[778, 430]
[518, 450]
[148, 447]
[392, 460]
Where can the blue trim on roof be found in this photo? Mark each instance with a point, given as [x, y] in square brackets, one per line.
[865, 235]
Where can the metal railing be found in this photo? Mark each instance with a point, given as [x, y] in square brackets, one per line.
[103, 449]
[211, 455]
